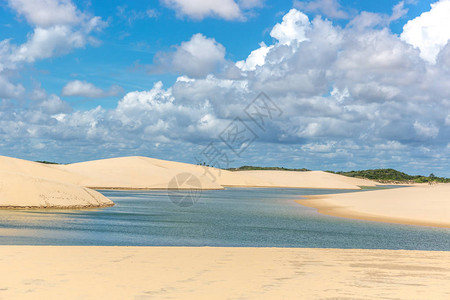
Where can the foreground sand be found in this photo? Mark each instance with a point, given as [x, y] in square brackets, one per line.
[50, 272]
[418, 205]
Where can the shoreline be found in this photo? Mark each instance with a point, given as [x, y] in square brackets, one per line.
[11, 207]
[418, 206]
[325, 208]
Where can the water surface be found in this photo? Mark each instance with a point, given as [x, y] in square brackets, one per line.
[254, 217]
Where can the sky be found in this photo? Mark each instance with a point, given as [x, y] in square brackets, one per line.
[320, 84]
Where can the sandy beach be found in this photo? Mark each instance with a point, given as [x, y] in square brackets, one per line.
[418, 205]
[42, 272]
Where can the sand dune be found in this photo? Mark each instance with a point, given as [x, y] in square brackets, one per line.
[19, 191]
[418, 205]
[38, 170]
[219, 176]
[134, 173]
[309, 179]
[150, 173]
[221, 273]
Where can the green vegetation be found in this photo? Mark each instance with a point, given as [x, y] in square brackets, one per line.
[392, 176]
[46, 162]
[380, 175]
[252, 168]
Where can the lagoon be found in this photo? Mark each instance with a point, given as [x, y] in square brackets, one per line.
[235, 217]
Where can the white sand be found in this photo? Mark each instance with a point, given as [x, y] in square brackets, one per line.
[50, 272]
[418, 205]
[134, 173]
[38, 170]
[19, 191]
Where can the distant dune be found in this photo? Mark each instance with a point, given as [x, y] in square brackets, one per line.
[135, 173]
[417, 205]
[307, 179]
[150, 173]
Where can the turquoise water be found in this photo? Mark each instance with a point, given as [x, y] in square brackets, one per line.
[234, 217]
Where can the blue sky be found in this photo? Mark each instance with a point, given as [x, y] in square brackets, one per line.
[361, 84]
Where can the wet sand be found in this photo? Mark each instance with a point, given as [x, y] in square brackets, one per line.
[54, 272]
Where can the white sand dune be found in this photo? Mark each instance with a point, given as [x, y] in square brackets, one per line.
[417, 205]
[38, 170]
[135, 173]
[148, 173]
[219, 176]
[53, 272]
[308, 179]
[20, 191]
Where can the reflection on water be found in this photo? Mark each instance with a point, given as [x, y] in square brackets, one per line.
[233, 217]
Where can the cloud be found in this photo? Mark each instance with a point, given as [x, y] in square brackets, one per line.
[86, 89]
[50, 42]
[58, 28]
[54, 105]
[427, 131]
[196, 58]
[329, 8]
[199, 9]
[430, 31]
[398, 11]
[256, 58]
[131, 15]
[9, 90]
[47, 13]
[292, 28]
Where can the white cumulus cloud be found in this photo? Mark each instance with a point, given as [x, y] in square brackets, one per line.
[430, 31]
[58, 28]
[256, 58]
[195, 58]
[292, 28]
